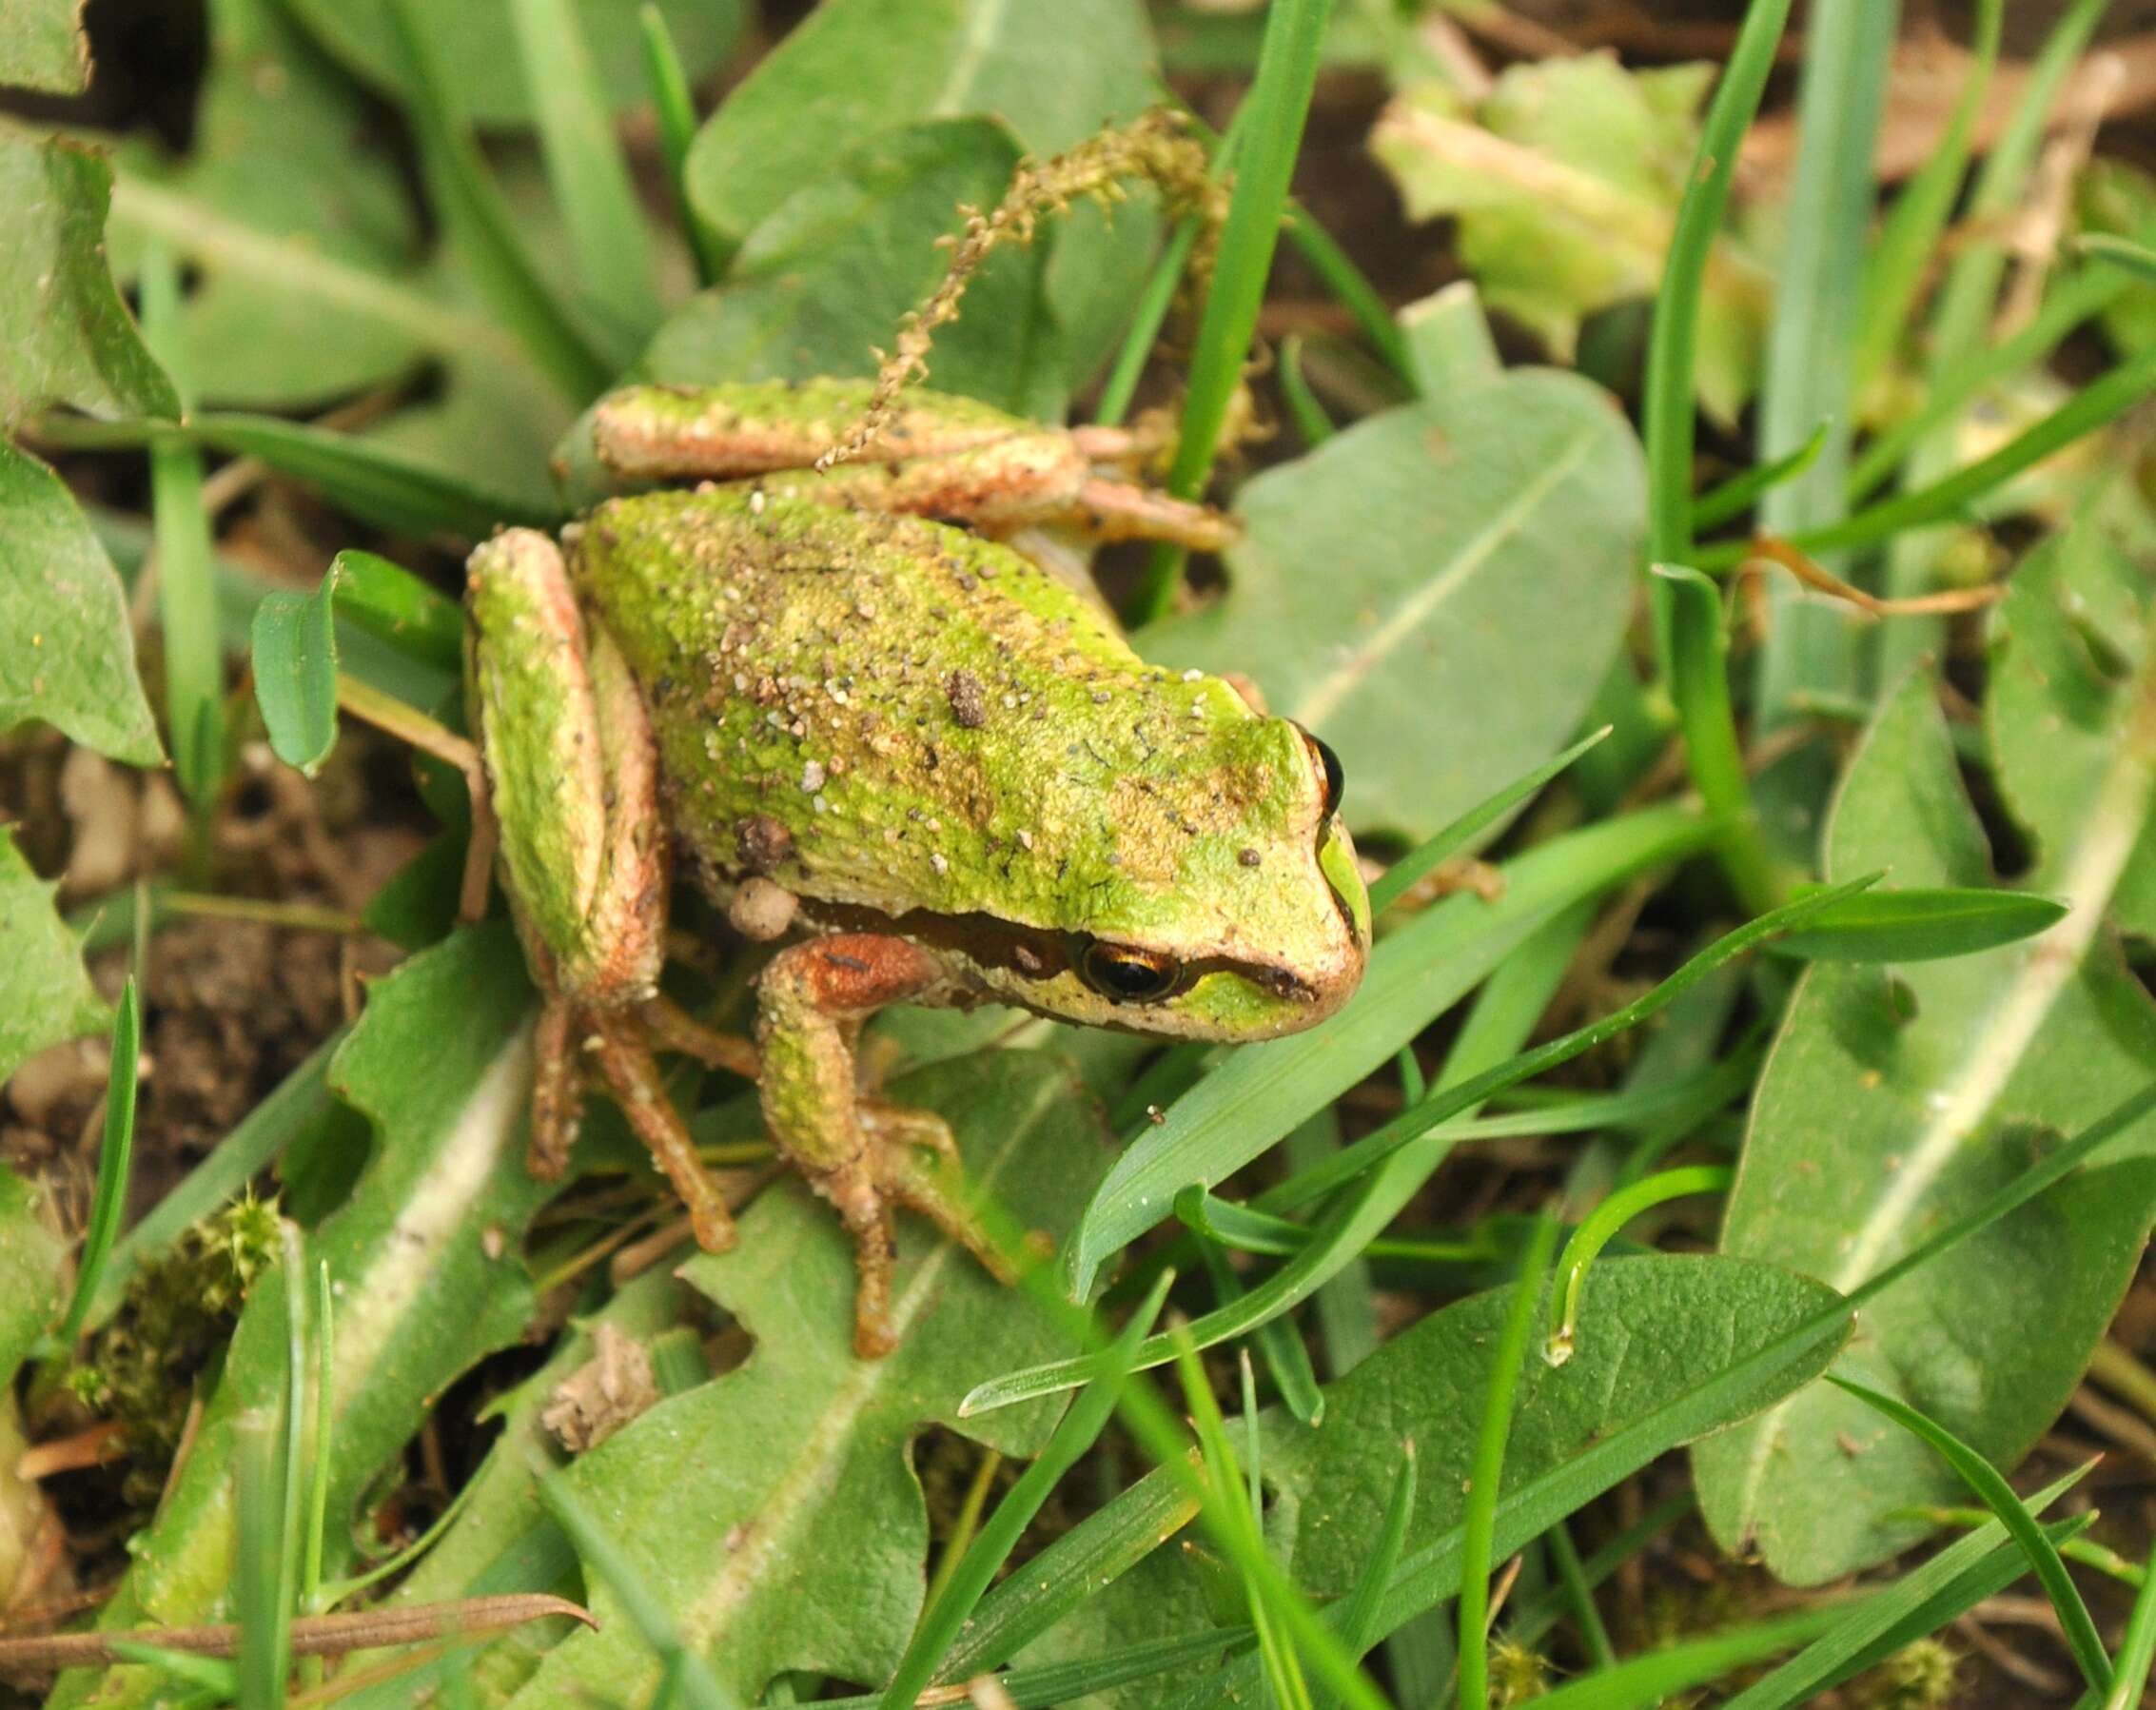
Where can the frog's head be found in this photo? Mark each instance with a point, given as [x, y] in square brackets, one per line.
[1214, 893]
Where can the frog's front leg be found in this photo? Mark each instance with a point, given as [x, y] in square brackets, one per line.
[862, 1157]
[574, 776]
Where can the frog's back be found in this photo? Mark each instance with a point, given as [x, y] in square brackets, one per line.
[893, 714]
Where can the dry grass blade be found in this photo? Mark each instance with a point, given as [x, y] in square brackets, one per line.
[1767, 551]
[312, 1636]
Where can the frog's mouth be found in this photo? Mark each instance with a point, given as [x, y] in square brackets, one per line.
[1036, 956]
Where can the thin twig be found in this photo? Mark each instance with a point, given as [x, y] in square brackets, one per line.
[312, 1634]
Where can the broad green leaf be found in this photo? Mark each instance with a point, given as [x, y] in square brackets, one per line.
[1921, 925]
[31, 1261]
[473, 42]
[1565, 179]
[823, 279]
[735, 1500]
[302, 297]
[424, 1260]
[65, 335]
[276, 167]
[1053, 70]
[71, 656]
[46, 999]
[1438, 591]
[1645, 1322]
[1415, 975]
[42, 47]
[1945, 1078]
[295, 670]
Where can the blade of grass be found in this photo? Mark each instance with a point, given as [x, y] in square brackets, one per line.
[1660, 1677]
[1074, 1434]
[115, 1165]
[1735, 496]
[1909, 237]
[1311, 422]
[1884, 1622]
[1961, 315]
[1847, 47]
[1226, 1515]
[1394, 883]
[676, 112]
[187, 591]
[2137, 1648]
[2099, 403]
[1478, 1522]
[1286, 1356]
[1579, 1593]
[2080, 296]
[1159, 295]
[1673, 338]
[694, 1683]
[1046, 1686]
[483, 229]
[1358, 1625]
[1594, 1234]
[1411, 1126]
[262, 1618]
[1280, 102]
[1336, 270]
[585, 168]
[2137, 260]
[1698, 681]
[1998, 1495]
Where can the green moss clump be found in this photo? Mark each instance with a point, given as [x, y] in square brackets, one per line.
[172, 1324]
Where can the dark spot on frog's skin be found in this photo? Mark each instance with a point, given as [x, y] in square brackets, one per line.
[969, 702]
[763, 842]
[1249, 857]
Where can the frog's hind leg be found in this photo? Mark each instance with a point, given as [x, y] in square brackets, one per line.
[633, 1077]
[863, 1160]
[558, 1090]
[574, 773]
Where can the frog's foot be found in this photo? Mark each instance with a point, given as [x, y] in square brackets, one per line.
[633, 1077]
[908, 1158]
[1121, 510]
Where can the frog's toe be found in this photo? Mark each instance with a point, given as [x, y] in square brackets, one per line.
[932, 1185]
[902, 1125]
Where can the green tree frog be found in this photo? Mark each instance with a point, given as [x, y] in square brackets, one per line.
[931, 769]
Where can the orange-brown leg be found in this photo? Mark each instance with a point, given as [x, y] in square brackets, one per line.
[671, 1027]
[813, 998]
[558, 1090]
[633, 1077]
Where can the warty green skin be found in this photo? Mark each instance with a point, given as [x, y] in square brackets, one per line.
[963, 751]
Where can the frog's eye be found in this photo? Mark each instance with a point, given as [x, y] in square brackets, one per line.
[1327, 762]
[1125, 975]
